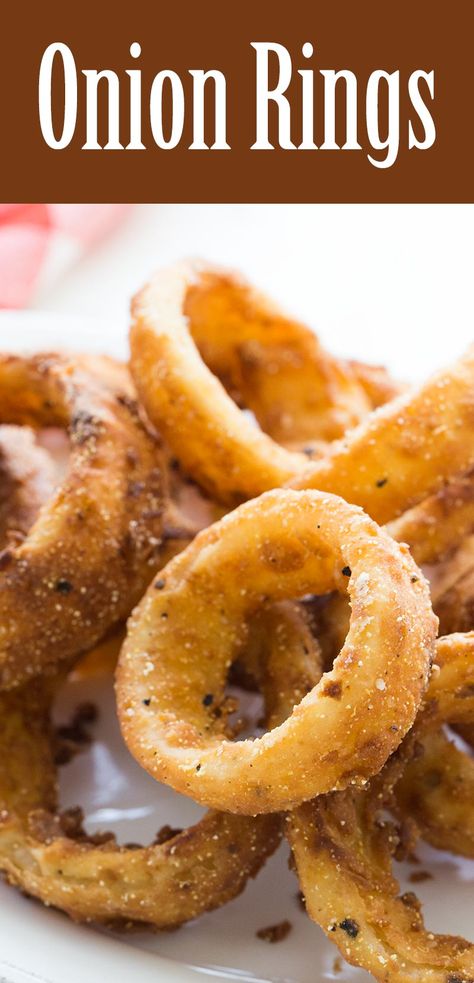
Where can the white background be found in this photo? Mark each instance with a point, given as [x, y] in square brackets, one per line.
[388, 283]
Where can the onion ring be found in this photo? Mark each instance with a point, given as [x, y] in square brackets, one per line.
[437, 526]
[90, 554]
[183, 636]
[424, 437]
[437, 786]
[343, 850]
[271, 364]
[405, 450]
[437, 791]
[433, 530]
[343, 853]
[161, 885]
[167, 883]
[282, 655]
[302, 392]
[453, 590]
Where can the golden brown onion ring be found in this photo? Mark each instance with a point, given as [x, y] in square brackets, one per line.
[272, 365]
[343, 847]
[453, 589]
[393, 460]
[161, 885]
[437, 786]
[455, 608]
[94, 545]
[437, 526]
[405, 450]
[437, 791]
[433, 530]
[185, 633]
[282, 655]
[450, 695]
[276, 366]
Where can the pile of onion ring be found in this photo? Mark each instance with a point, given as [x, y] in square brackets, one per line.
[340, 585]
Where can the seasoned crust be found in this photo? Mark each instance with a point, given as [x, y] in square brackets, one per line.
[92, 549]
[182, 639]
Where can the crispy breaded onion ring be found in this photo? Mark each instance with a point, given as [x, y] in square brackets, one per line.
[90, 553]
[343, 848]
[282, 655]
[184, 635]
[437, 791]
[398, 456]
[453, 589]
[437, 786]
[437, 526]
[161, 885]
[27, 479]
[274, 365]
[169, 882]
[434, 529]
[455, 608]
[406, 450]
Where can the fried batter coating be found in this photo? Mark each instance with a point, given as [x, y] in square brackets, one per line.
[438, 525]
[343, 845]
[438, 532]
[397, 456]
[271, 364]
[94, 545]
[437, 786]
[181, 875]
[405, 450]
[453, 589]
[161, 885]
[437, 791]
[184, 636]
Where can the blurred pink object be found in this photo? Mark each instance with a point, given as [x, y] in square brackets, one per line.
[39, 242]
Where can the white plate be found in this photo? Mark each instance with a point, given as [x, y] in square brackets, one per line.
[41, 946]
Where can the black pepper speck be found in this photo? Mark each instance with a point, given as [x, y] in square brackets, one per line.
[350, 926]
[64, 587]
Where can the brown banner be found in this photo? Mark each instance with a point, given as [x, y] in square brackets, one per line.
[395, 126]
